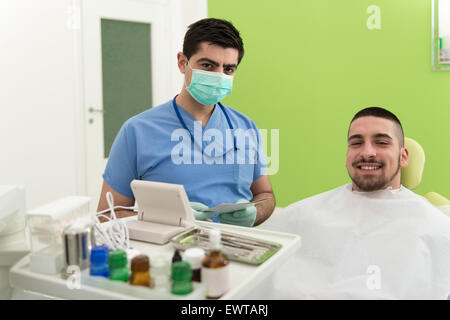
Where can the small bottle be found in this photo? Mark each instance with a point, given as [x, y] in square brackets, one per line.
[215, 268]
[118, 266]
[140, 271]
[181, 278]
[99, 261]
[176, 256]
[160, 270]
[194, 256]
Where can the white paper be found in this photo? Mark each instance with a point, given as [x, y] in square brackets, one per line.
[232, 207]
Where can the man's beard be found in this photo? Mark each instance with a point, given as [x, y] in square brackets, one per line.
[370, 184]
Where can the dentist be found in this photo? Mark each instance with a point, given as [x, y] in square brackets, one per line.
[193, 139]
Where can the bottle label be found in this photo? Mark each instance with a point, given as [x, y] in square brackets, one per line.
[217, 281]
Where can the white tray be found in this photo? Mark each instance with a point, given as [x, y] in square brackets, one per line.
[244, 277]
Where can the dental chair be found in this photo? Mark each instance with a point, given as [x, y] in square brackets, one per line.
[411, 176]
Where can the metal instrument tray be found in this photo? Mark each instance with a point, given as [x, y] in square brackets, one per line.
[236, 247]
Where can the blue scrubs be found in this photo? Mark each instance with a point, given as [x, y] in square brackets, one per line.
[151, 146]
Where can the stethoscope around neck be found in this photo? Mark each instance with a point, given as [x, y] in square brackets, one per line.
[177, 111]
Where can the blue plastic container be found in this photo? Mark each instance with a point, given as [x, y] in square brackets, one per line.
[99, 261]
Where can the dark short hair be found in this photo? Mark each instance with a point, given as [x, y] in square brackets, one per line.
[380, 113]
[214, 31]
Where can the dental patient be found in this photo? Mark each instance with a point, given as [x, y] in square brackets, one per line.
[370, 239]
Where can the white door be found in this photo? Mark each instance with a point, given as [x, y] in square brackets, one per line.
[129, 60]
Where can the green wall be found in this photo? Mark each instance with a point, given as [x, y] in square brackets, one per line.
[309, 66]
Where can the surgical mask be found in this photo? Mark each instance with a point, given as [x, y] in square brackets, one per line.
[208, 87]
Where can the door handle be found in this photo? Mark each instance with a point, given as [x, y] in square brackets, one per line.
[93, 110]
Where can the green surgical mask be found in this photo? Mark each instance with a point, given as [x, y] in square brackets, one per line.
[208, 87]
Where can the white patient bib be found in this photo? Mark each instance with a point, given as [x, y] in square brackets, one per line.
[387, 244]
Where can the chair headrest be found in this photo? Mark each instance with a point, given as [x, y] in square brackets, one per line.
[411, 176]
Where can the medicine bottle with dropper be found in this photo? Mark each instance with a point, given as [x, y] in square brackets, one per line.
[215, 267]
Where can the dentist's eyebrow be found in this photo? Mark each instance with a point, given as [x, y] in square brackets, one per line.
[233, 65]
[230, 65]
[208, 60]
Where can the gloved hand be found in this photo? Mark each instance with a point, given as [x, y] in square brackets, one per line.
[200, 215]
[244, 218]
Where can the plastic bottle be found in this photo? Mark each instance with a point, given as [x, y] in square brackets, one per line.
[99, 261]
[118, 266]
[181, 278]
[195, 256]
[140, 271]
[176, 256]
[215, 268]
[160, 270]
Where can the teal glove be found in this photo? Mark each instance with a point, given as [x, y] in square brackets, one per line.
[244, 218]
[200, 215]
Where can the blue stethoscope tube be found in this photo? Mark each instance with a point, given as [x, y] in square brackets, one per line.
[175, 107]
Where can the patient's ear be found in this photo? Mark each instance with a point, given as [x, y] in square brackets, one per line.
[404, 157]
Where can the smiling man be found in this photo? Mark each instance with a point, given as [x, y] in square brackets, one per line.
[369, 239]
[212, 172]
[376, 151]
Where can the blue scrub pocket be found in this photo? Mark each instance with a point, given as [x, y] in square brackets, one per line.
[243, 174]
[245, 166]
